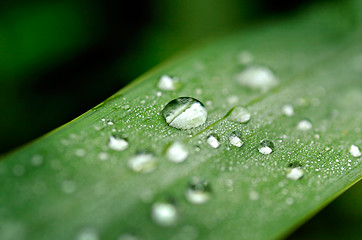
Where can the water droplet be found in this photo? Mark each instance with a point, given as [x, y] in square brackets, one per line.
[164, 214]
[177, 152]
[199, 191]
[37, 160]
[236, 139]
[102, 156]
[253, 196]
[80, 152]
[304, 125]
[295, 171]
[355, 151]
[240, 115]
[232, 99]
[142, 162]
[288, 110]
[257, 77]
[117, 143]
[184, 113]
[213, 140]
[88, 234]
[245, 57]
[266, 147]
[68, 186]
[168, 83]
[126, 107]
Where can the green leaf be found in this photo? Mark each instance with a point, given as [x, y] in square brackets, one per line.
[70, 185]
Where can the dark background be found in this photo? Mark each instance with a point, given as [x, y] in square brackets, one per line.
[58, 59]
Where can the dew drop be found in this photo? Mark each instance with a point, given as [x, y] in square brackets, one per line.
[213, 140]
[295, 171]
[266, 147]
[88, 234]
[177, 152]
[142, 162]
[168, 83]
[164, 214]
[236, 139]
[245, 57]
[68, 186]
[257, 77]
[240, 115]
[355, 151]
[288, 110]
[117, 143]
[304, 125]
[198, 191]
[37, 160]
[185, 113]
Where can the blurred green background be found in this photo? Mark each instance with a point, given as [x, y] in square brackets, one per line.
[58, 59]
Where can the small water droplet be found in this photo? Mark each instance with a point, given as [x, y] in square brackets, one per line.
[102, 156]
[18, 170]
[213, 140]
[245, 57]
[304, 125]
[240, 115]
[142, 162]
[68, 186]
[88, 234]
[232, 99]
[199, 191]
[253, 196]
[126, 107]
[355, 151]
[289, 201]
[266, 147]
[117, 143]
[80, 152]
[168, 83]
[177, 152]
[295, 171]
[37, 160]
[257, 77]
[288, 110]
[185, 113]
[164, 214]
[236, 139]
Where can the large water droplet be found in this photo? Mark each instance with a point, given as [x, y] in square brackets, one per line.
[304, 125]
[266, 147]
[184, 113]
[117, 143]
[213, 140]
[177, 152]
[168, 83]
[295, 171]
[288, 110]
[199, 191]
[236, 139]
[355, 151]
[240, 115]
[257, 77]
[142, 162]
[164, 214]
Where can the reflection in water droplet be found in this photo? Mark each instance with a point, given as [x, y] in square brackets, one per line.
[117, 143]
[304, 125]
[288, 110]
[236, 139]
[177, 152]
[295, 171]
[184, 113]
[168, 83]
[257, 77]
[164, 214]
[199, 191]
[142, 162]
[213, 140]
[355, 151]
[88, 234]
[240, 115]
[266, 147]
